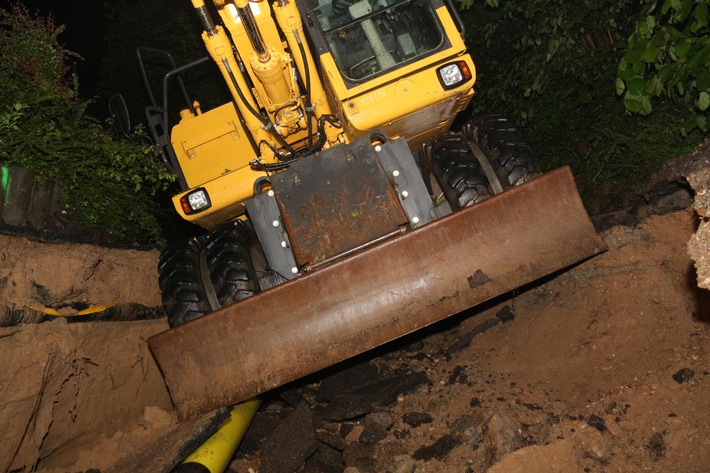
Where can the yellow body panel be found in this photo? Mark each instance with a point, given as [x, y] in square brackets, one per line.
[210, 144]
[415, 106]
[227, 193]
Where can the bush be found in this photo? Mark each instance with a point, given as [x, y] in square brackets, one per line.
[110, 184]
[668, 56]
[552, 66]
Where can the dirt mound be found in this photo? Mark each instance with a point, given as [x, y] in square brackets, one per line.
[81, 393]
[38, 278]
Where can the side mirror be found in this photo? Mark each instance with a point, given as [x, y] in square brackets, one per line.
[119, 114]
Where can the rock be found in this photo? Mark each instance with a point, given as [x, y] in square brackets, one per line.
[366, 398]
[501, 436]
[656, 447]
[346, 381]
[373, 433]
[438, 450]
[594, 444]
[325, 460]
[415, 419]
[557, 457]
[376, 426]
[465, 339]
[597, 422]
[506, 314]
[361, 456]
[292, 397]
[291, 443]
[405, 464]
[263, 424]
[331, 434]
[458, 376]
[683, 375]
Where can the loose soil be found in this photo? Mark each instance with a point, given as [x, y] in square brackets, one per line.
[602, 368]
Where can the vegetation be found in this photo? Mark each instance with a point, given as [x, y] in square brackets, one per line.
[110, 184]
[581, 78]
[667, 56]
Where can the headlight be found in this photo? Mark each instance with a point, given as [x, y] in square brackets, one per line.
[454, 74]
[195, 201]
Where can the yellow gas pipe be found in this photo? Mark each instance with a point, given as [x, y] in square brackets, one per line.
[214, 455]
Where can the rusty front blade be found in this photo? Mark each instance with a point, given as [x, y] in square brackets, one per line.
[377, 295]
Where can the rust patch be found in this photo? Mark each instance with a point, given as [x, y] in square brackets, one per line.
[478, 279]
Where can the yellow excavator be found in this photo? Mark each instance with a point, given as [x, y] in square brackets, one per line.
[341, 208]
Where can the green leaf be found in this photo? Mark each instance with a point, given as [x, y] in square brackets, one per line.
[684, 10]
[654, 86]
[666, 6]
[620, 87]
[702, 80]
[632, 104]
[704, 101]
[701, 14]
[650, 23]
[625, 72]
[635, 86]
[681, 49]
[666, 72]
[659, 39]
[650, 54]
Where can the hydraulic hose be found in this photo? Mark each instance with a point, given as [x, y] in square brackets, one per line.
[308, 104]
[267, 125]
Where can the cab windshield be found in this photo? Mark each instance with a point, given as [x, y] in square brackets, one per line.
[367, 37]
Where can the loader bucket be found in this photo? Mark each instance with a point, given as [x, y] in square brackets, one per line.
[377, 295]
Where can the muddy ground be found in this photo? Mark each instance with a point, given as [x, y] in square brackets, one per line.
[603, 368]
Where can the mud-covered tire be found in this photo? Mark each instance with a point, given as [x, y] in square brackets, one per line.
[506, 148]
[224, 256]
[229, 261]
[458, 173]
[180, 282]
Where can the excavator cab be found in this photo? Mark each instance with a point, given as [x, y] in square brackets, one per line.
[390, 34]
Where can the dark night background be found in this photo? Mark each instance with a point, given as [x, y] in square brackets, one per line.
[84, 22]
[106, 36]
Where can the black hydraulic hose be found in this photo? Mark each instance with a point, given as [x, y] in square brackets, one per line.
[251, 139]
[264, 121]
[209, 26]
[268, 126]
[287, 161]
[309, 109]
